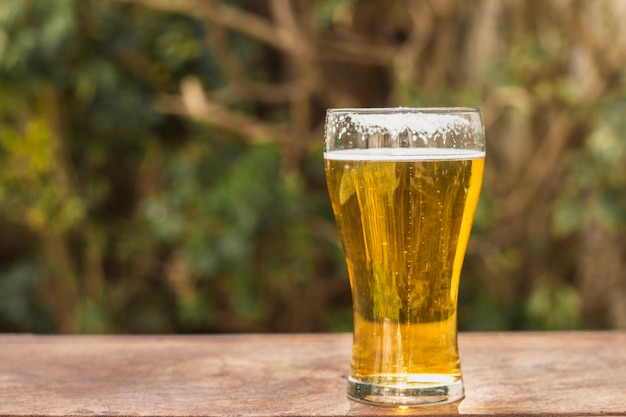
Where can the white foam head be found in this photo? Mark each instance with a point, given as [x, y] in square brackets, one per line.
[456, 128]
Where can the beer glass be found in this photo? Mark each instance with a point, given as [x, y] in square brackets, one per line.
[404, 184]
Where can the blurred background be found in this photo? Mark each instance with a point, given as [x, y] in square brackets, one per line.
[161, 161]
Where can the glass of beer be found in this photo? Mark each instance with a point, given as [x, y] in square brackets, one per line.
[404, 184]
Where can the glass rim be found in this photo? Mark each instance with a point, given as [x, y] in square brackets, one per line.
[389, 110]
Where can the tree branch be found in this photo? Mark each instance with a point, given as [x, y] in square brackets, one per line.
[194, 104]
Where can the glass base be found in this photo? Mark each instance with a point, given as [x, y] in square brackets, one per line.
[411, 390]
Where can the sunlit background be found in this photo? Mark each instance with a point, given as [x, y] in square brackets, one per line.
[161, 161]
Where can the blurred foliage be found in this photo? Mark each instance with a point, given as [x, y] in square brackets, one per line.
[162, 167]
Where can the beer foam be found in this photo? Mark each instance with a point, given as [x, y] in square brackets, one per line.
[416, 122]
[404, 154]
[404, 128]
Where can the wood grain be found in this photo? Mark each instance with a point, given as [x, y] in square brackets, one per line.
[260, 375]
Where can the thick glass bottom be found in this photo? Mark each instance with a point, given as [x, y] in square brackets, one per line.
[407, 390]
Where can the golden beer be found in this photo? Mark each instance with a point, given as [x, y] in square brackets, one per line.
[404, 217]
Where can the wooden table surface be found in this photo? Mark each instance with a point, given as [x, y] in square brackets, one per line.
[568, 374]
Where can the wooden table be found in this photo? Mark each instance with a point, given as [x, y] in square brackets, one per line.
[257, 375]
